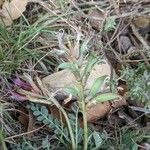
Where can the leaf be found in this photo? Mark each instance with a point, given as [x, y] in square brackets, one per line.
[82, 50]
[71, 90]
[46, 143]
[97, 140]
[83, 47]
[40, 118]
[36, 113]
[67, 65]
[72, 67]
[44, 110]
[12, 10]
[105, 97]
[80, 135]
[46, 121]
[100, 110]
[135, 147]
[97, 85]
[41, 85]
[110, 24]
[92, 60]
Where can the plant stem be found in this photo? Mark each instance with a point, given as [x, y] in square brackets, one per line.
[70, 129]
[2, 141]
[85, 125]
[83, 107]
[68, 122]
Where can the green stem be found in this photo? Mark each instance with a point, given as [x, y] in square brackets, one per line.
[85, 125]
[67, 121]
[70, 129]
[83, 107]
[2, 141]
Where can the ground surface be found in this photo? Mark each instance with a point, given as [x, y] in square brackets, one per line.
[37, 37]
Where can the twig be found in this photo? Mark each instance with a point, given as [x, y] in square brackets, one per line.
[128, 119]
[140, 38]
[131, 14]
[146, 111]
[93, 3]
[134, 51]
[137, 60]
[25, 133]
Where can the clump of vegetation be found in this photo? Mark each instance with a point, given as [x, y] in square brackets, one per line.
[138, 81]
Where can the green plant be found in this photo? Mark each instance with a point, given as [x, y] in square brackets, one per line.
[62, 133]
[42, 115]
[81, 67]
[110, 24]
[20, 44]
[26, 144]
[138, 82]
[125, 139]
[81, 71]
[2, 141]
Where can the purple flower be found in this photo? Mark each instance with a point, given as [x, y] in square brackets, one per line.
[22, 84]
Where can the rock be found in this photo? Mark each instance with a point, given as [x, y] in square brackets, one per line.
[59, 79]
[142, 23]
[125, 43]
[66, 78]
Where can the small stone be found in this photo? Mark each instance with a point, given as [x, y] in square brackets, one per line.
[125, 43]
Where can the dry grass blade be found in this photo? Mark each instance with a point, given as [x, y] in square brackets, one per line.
[147, 111]
[145, 45]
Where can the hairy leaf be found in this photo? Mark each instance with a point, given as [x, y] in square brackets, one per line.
[92, 60]
[72, 67]
[83, 47]
[71, 90]
[105, 97]
[97, 85]
[97, 140]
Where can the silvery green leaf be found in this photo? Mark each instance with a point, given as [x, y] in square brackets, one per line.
[97, 140]
[44, 110]
[110, 24]
[71, 117]
[33, 107]
[80, 133]
[36, 113]
[105, 97]
[67, 65]
[135, 147]
[97, 85]
[50, 117]
[83, 47]
[45, 143]
[72, 67]
[46, 121]
[57, 131]
[92, 60]
[71, 90]
[40, 118]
